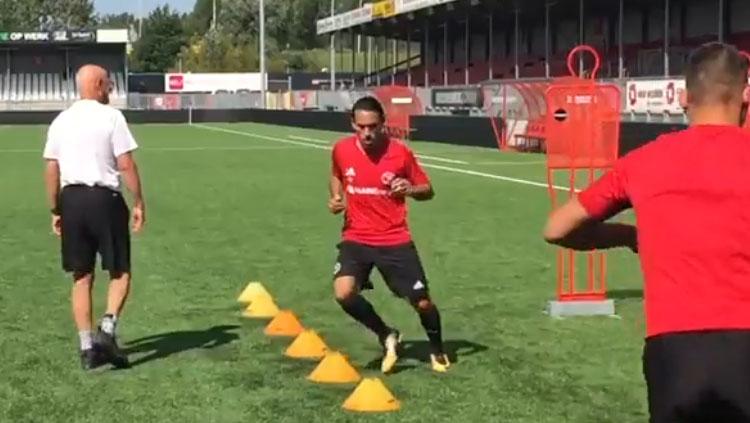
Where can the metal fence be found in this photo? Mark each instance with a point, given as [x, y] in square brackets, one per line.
[331, 101]
[194, 101]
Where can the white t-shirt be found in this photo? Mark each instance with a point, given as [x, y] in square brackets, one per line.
[86, 140]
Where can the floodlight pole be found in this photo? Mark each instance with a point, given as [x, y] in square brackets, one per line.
[666, 38]
[263, 77]
[546, 40]
[140, 19]
[445, 53]
[426, 55]
[491, 44]
[408, 57]
[721, 21]
[516, 69]
[581, 34]
[467, 47]
[213, 19]
[333, 49]
[620, 41]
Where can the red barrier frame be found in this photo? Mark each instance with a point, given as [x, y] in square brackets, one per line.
[580, 124]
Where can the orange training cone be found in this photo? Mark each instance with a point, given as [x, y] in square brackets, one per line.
[371, 395]
[284, 324]
[262, 307]
[307, 345]
[334, 368]
[252, 291]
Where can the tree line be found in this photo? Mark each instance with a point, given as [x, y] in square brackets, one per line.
[168, 40]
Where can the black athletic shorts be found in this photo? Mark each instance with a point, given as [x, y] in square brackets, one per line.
[399, 265]
[698, 377]
[94, 219]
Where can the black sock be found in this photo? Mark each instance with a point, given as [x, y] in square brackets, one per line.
[361, 310]
[430, 319]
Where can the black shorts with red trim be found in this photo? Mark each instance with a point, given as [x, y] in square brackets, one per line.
[399, 265]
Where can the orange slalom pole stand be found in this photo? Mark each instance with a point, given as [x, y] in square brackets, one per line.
[582, 139]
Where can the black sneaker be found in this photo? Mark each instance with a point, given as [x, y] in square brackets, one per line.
[107, 345]
[90, 359]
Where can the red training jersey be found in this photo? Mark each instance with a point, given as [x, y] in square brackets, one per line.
[373, 216]
[690, 191]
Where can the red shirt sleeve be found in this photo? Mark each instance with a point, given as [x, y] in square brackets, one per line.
[608, 195]
[414, 172]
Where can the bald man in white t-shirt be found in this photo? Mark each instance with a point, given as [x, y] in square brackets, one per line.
[89, 146]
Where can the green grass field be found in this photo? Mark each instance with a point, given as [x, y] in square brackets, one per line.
[228, 204]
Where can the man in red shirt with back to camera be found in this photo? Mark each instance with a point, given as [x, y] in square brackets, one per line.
[690, 191]
[376, 174]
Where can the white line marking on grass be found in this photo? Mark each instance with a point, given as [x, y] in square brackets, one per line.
[168, 149]
[40, 151]
[509, 163]
[315, 140]
[247, 148]
[493, 176]
[421, 156]
[440, 159]
[427, 165]
[262, 137]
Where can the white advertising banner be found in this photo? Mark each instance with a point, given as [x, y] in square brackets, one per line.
[654, 96]
[403, 6]
[211, 82]
[344, 20]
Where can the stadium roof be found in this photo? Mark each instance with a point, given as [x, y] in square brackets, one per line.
[101, 36]
[388, 16]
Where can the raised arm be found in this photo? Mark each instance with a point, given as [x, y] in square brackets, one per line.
[580, 223]
[571, 226]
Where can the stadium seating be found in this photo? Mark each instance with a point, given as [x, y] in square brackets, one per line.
[48, 87]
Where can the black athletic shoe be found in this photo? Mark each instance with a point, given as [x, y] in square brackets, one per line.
[90, 359]
[107, 345]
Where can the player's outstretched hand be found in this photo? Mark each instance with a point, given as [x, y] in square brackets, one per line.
[400, 187]
[336, 204]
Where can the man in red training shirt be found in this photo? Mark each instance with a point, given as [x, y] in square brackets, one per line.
[376, 173]
[690, 191]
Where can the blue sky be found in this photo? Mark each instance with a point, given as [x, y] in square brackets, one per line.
[133, 6]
